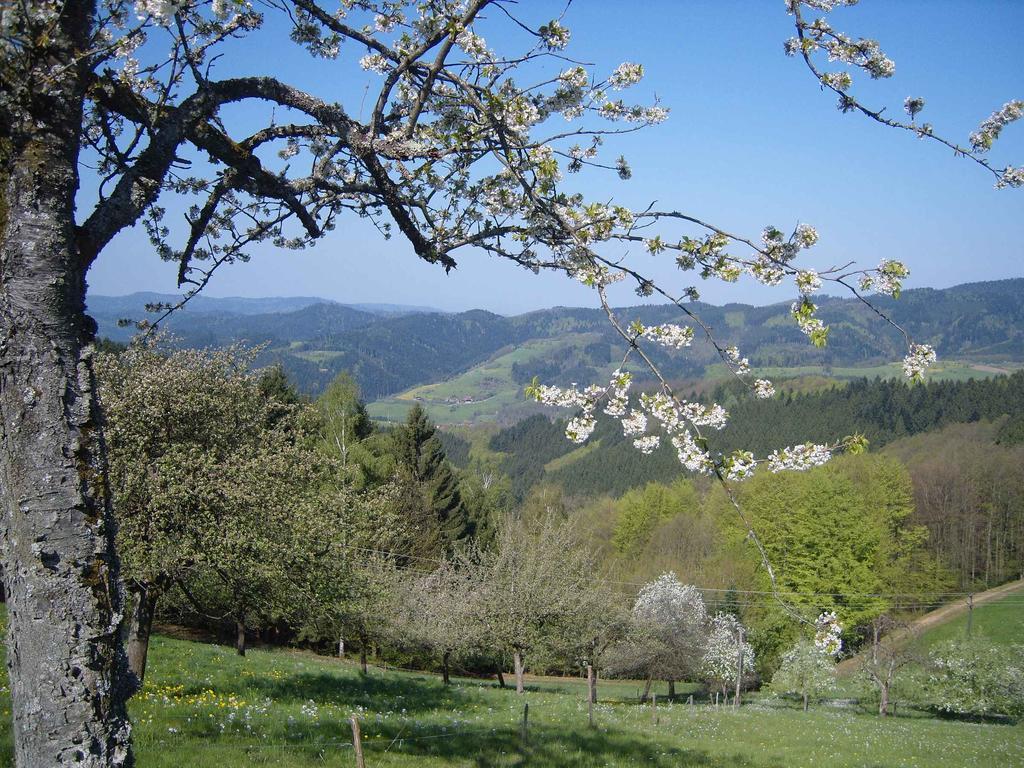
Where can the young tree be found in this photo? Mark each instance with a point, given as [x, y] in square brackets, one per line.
[728, 661]
[883, 661]
[666, 635]
[345, 424]
[536, 592]
[451, 153]
[438, 612]
[806, 671]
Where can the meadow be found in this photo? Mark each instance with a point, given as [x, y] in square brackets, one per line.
[202, 705]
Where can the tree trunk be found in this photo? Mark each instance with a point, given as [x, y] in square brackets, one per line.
[139, 629]
[883, 699]
[362, 659]
[65, 655]
[445, 658]
[671, 690]
[592, 683]
[341, 647]
[517, 660]
[240, 637]
[805, 702]
[647, 689]
[501, 678]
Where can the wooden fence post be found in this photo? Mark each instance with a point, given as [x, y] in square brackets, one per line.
[357, 742]
[526, 724]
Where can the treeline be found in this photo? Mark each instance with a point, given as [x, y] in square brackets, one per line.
[882, 410]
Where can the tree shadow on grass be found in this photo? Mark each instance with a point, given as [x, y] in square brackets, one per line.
[373, 693]
[551, 748]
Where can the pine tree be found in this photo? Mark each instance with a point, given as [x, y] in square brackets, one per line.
[422, 459]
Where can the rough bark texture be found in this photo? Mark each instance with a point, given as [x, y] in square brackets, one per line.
[240, 637]
[501, 678]
[517, 660]
[66, 661]
[445, 658]
[362, 660]
[592, 684]
[139, 630]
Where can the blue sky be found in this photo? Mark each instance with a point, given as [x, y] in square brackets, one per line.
[751, 141]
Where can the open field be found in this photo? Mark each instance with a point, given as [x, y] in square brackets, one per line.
[480, 394]
[943, 370]
[204, 706]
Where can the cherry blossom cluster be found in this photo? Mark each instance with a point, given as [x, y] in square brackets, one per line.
[739, 364]
[803, 312]
[862, 53]
[799, 457]
[740, 465]
[764, 389]
[670, 335]
[917, 361]
[161, 11]
[618, 398]
[888, 278]
[808, 281]
[1011, 177]
[625, 75]
[990, 128]
[828, 635]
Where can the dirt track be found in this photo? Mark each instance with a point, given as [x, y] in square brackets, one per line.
[940, 616]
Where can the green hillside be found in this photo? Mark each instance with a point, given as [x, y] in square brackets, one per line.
[980, 324]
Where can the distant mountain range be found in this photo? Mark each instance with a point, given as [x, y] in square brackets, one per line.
[390, 348]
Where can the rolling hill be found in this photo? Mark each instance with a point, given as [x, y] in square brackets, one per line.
[392, 350]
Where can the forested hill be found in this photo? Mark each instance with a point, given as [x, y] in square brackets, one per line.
[389, 349]
[536, 449]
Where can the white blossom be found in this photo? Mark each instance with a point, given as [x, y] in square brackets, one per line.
[670, 335]
[764, 389]
[808, 281]
[647, 444]
[917, 361]
[625, 75]
[634, 424]
[799, 457]
[828, 633]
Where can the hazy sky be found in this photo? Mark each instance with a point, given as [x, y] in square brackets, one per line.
[751, 141]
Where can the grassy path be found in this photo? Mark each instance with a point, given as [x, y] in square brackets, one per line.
[942, 616]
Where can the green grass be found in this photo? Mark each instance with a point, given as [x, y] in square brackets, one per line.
[1001, 622]
[204, 706]
[489, 385]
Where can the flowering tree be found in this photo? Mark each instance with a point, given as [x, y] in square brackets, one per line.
[728, 655]
[454, 153]
[439, 612]
[806, 670]
[666, 635]
[977, 677]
